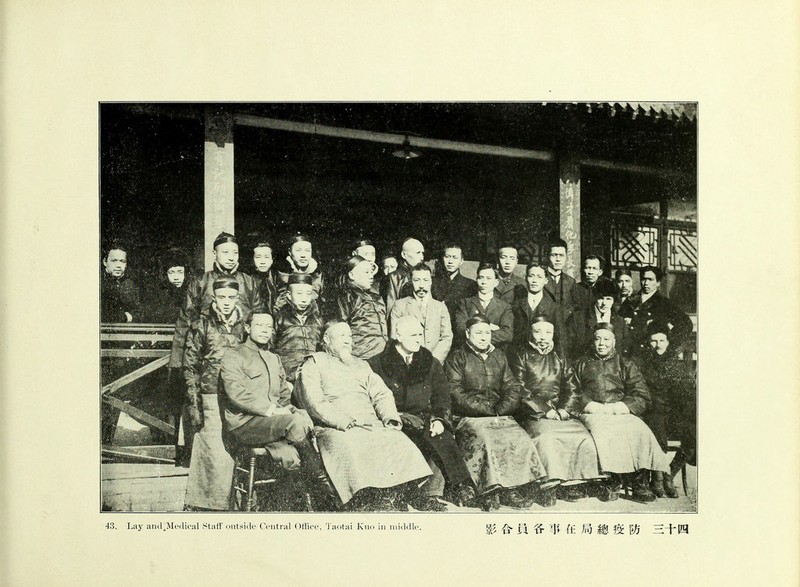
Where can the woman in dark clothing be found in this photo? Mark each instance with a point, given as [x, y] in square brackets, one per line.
[166, 298]
[581, 323]
[174, 277]
[672, 414]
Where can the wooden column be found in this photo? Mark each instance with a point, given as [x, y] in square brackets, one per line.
[663, 234]
[218, 184]
[569, 211]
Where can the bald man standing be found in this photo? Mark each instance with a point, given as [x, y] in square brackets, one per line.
[422, 396]
[411, 254]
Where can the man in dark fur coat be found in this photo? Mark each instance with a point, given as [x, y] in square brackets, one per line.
[422, 396]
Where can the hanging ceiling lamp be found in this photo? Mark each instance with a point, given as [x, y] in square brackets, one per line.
[405, 151]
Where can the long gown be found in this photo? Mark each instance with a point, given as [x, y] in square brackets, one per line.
[334, 394]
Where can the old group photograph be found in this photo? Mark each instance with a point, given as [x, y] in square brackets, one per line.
[440, 307]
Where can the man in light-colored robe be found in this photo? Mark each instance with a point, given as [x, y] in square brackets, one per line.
[358, 427]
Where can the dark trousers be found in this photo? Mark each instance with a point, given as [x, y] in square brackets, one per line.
[444, 451]
[675, 421]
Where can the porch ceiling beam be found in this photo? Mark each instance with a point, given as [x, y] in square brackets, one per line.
[630, 168]
[389, 138]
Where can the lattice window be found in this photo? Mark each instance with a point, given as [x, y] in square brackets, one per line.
[634, 245]
[681, 250]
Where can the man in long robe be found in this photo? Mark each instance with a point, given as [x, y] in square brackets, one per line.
[611, 397]
[358, 427]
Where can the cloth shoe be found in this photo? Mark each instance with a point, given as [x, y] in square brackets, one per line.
[546, 497]
[490, 502]
[463, 495]
[572, 492]
[427, 503]
[608, 490]
[641, 492]
[516, 499]
[657, 483]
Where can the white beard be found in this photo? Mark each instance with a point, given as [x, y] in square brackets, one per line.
[344, 355]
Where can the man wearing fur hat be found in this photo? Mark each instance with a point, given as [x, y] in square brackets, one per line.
[166, 299]
[422, 396]
[168, 296]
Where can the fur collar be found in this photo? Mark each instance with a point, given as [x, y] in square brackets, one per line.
[393, 365]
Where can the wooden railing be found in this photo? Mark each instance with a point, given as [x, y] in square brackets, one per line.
[135, 343]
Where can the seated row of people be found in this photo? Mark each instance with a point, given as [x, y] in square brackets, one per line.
[477, 426]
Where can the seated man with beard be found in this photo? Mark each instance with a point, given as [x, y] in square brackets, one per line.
[421, 394]
[565, 446]
[611, 397]
[359, 430]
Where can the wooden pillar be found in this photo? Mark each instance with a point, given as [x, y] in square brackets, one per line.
[218, 172]
[663, 234]
[663, 248]
[569, 211]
